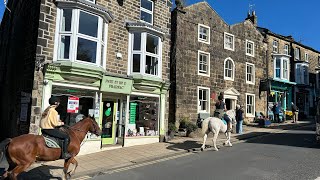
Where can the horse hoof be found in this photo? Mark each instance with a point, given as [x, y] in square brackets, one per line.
[202, 149]
[216, 149]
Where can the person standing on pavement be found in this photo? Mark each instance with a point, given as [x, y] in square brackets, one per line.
[239, 119]
[276, 112]
[295, 112]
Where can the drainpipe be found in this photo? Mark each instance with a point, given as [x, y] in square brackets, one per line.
[268, 82]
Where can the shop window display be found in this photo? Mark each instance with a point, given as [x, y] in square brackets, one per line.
[144, 116]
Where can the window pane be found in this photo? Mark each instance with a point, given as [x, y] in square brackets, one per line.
[136, 63]
[151, 65]
[102, 53]
[136, 41]
[88, 24]
[278, 63]
[147, 17]
[66, 20]
[152, 44]
[64, 47]
[200, 94]
[86, 50]
[146, 4]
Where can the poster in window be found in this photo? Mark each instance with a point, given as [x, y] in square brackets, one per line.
[73, 105]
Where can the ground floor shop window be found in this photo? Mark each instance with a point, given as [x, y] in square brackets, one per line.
[143, 116]
[83, 107]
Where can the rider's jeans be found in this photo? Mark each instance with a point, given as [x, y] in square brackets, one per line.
[239, 127]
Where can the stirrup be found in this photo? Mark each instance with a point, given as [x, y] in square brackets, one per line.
[67, 155]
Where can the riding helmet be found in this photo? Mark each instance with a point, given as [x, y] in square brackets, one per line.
[54, 100]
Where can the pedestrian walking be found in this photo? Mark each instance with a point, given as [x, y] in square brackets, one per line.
[276, 112]
[239, 119]
[295, 112]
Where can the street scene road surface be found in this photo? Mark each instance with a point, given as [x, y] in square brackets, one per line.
[290, 155]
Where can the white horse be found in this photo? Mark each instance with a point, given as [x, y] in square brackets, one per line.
[216, 125]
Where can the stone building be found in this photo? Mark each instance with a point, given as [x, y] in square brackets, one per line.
[292, 71]
[109, 58]
[209, 56]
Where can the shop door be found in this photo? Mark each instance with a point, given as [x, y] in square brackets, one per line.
[108, 122]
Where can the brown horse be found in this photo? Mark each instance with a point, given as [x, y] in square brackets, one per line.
[24, 150]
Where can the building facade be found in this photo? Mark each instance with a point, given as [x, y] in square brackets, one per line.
[292, 72]
[107, 59]
[215, 57]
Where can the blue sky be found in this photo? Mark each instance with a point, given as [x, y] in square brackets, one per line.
[287, 17]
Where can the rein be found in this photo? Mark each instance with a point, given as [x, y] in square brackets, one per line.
[76, 129]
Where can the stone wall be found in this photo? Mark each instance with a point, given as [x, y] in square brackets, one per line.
[185, 59]
[17, 61]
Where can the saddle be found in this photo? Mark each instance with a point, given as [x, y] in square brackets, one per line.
[52, 142]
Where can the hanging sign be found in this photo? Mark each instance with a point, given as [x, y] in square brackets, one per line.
[73, 105]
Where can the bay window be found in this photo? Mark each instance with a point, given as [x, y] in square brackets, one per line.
[81, 37]
[281, 68]
[146, 54]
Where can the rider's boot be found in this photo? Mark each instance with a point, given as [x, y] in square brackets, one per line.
[65, 154]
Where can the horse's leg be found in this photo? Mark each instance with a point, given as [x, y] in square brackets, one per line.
[215, 136]
[7, 173]
[75, 163]
[228, 136]
[66, 167]
[204, 141]
[17, 170]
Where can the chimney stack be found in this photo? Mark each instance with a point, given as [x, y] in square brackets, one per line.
[253, 18]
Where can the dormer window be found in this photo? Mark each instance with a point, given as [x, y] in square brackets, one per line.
[146, 11]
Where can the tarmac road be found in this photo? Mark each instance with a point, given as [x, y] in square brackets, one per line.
[292, 155]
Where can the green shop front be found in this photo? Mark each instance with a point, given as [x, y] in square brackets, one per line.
[146, 111]
[77, 85]
[280, 92]
[114, 108]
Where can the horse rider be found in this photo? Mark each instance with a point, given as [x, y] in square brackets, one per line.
[220, 111]
[49, 123]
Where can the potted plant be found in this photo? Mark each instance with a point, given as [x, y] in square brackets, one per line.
[190, 128]
[171, 129]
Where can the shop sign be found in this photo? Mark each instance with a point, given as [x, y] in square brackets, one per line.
[116, 85]
[73, 105]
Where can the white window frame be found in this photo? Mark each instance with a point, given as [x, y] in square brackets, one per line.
[74, 35]
[301, 72]
[282, 60]
[198, 100]
[297, 52]
[208, 35]
[252, 43]
[224, 41]
[306, 57]
[253, 73]
[286, 49]
[275, 46]
[208, 64]
[143, 52]
[91, 1]
[254, 105]
[224, 69]
[147, 11]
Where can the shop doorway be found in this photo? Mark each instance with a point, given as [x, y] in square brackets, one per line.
[109, 112]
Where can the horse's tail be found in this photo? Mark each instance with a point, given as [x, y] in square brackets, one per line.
[205, 125]
[3, 147]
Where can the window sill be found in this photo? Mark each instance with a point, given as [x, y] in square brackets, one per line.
[252, 83]
[203, 74]
[230, 49]
[250, 115]
[202, 41]
[250, 55]
[228, 79]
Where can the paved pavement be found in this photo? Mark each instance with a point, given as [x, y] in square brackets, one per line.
[92, 164]
[290, 154]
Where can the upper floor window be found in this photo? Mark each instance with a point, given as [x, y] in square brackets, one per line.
[204, 33]
[250, 73]
[250, 105]
[275, 45]
[228, 69]
[250, 48]
[306, 57]
[146, 54]
[281, 68]
[146, 11]
[203, 99]
[297, 53]
[229, 41]
[302, 73]
[203, 63]
[81, 37]
[286, 49]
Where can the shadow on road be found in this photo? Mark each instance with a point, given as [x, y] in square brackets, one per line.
[289, 126]
[183, 145]
[40, 173]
